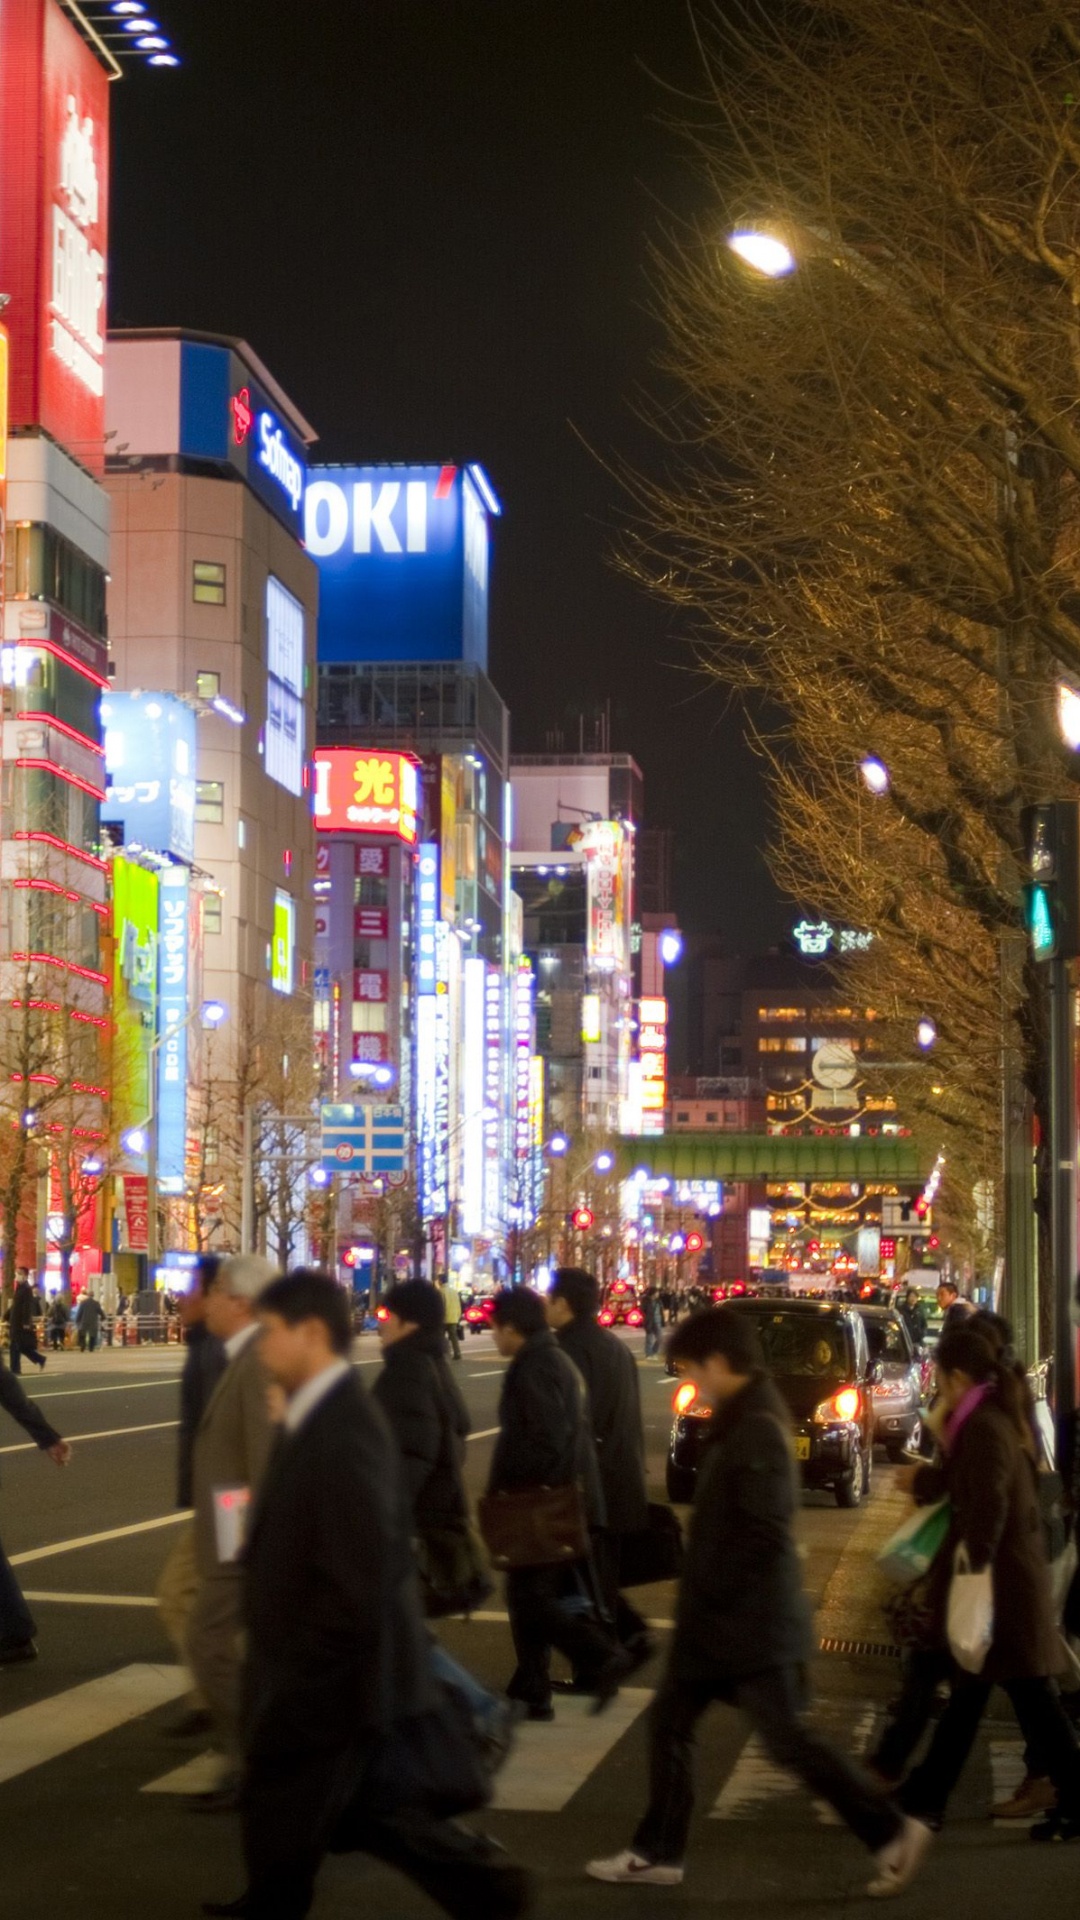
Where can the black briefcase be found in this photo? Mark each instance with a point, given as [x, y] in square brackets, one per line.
[656, 1553]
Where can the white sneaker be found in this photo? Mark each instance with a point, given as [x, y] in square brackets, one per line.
[629, 1869]
[899, 1862]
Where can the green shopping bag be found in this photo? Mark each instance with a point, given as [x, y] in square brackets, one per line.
[915, 1545]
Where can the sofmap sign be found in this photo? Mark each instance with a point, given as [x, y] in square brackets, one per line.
[174, 974]
[227, 416]
[403, 561]
[54, 186]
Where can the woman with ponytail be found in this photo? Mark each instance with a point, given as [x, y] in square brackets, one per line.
[988, 1472]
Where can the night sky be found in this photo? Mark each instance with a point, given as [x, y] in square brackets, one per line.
[429, 217]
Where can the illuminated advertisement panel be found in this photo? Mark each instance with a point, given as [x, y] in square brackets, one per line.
[150, 771]
[524, 1041]
[493, 1099]
[652, 1050]
[474, 978]
[403, 561]
[361, 792]
[54, 191]
[283, 946]
[602, 843]
[135, 913]
[173, 988]
[427, 915]
[284, 738]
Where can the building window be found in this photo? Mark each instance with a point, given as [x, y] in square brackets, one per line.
[208, 583]
[284, 688]
[210, 802]
[207, 685]
[711, 1119]
[682, 1119]
[211, 914]
[781, 1013]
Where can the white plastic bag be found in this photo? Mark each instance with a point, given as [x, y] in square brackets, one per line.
[971, 1613]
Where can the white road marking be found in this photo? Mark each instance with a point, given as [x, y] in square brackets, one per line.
[136, 1386]
[33, 1735]
[203, 1774]
[91, 1599]
[550, 1763]
[754, 1782]
[488, 1434]
[98, 1539]
[107, 1433]
[500, 1619]
[487, 1374]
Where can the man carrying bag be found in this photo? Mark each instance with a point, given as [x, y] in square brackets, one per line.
[544, 1472]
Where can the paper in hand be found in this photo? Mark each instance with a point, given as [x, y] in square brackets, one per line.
[230, 1520]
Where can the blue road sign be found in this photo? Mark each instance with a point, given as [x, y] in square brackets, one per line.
[363, 1138]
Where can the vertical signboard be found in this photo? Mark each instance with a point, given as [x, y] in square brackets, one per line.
[602, 842]
[473, 1069]
[135, 916]
[494, 1102]
[4, 352]
[523, 1055]
[172, 1078]
[54, 185]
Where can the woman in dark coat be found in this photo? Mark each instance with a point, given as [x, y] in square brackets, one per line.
[989, 1475]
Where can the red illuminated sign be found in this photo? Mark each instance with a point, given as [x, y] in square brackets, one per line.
[243, 417]
[362, 792]
[372, 923]
[888, 1248]
[54, 185]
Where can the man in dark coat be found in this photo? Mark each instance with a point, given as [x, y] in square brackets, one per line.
[610, 1373]
[21, 1329]
[205, 1361]
[544, 1441]
[742, 1631]
[421, 1401]
[337, 1653]
[16, 1621]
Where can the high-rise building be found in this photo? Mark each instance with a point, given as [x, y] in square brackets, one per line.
[212, 598]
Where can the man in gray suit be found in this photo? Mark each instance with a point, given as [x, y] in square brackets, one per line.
[232, 1446]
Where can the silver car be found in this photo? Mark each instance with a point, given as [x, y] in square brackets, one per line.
[898, 1396]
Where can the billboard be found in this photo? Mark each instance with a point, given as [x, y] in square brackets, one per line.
[173, 989]
[54, 189]
[150, 771]
[604, 845]
[135, 980]
[283, 947]
[361, 792]
[403, 557]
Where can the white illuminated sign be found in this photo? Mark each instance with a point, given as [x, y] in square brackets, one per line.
[474, 972]
[78, 268]
[280, 463]
[375, 513]
[815, 937]
[284, 744]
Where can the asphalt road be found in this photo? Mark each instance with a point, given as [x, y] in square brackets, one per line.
[97, 1824]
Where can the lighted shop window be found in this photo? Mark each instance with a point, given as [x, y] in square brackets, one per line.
[208, 583]
[210, 802]
[207, 685]
[781, 1013]
[370, 1016]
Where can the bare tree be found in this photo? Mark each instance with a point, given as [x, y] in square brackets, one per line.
[870, 505]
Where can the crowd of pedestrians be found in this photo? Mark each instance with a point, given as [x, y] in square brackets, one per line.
[330, 1526]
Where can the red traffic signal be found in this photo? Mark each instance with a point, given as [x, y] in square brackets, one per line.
[922, 1207]
[582, 1219]
[933, 1241]
[694, 1243]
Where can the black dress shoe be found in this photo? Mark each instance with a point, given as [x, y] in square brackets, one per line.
[608, 1680]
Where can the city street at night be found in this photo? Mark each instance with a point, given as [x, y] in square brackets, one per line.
[86, 1763]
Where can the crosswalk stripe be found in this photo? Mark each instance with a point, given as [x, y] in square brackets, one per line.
[97, 1539]
[91, 1599]
[1007, 1770]
[199, 1775]
[755, 1783]
[33, 1735]
[108, 1433]
[550, 1763]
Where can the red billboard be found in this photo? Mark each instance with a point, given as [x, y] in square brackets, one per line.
[54, 190]
[357, 791]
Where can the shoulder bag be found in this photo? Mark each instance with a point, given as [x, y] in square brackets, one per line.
[534, 1526]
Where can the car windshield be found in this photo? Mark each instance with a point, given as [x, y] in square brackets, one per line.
[801, 1343]
[887, 1341]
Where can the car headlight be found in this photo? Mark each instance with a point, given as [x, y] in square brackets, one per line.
[844, 1405]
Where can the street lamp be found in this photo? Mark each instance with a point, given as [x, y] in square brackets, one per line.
[604, 1162]
[875, 774]
[926, 1033]
[764, 252]
[558, 1145]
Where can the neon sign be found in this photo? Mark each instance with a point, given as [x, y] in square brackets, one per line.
[243, 417]
[280, 463]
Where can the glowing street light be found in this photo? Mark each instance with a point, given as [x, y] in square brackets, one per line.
[671, 944]
[558, 1145]
[1069, 716]
[875, 774]
[604, 1162]
[925, 1033]
[764, 252]
[136, 1140]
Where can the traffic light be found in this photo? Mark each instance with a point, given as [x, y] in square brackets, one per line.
[1052, 889]
[581, 1219]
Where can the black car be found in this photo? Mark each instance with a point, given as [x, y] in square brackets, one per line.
[819, 1357]
[898, 1395]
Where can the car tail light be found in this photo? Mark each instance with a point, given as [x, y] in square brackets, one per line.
[845, 1405]
[607, 1318]
[685, 1397]
[634, 1318]
[382, 1313]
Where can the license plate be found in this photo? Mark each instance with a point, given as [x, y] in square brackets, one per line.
[802, 1446]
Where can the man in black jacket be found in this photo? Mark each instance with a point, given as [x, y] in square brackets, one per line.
[544, 1441]
[205, 1361]
[742, 1632]
[337, 1653]
[610, 1373]
[16, 1621]
[420, 1398]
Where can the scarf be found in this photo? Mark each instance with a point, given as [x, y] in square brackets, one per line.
[962, 1412]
